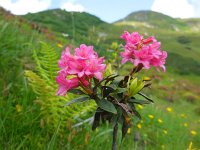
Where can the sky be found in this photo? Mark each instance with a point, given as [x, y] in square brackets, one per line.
[107, 10]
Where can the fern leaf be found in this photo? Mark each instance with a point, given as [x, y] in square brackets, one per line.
[43, 83]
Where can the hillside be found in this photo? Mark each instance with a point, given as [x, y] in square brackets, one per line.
[151, 19]
[193, 23]
[65, 22]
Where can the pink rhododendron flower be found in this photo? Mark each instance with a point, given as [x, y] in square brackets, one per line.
[64, 84]
[85, 52]
[143, 51]
[132, 39]
[83, 65]
[95, 68]
[127, 55]
[160, 61]
[142, 57]
[65, 59]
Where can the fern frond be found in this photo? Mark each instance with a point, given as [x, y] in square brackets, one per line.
[46, 62]
[43, 83]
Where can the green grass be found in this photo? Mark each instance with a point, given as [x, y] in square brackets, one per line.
[24, 130]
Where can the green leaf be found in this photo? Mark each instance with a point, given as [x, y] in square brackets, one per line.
[79, 99]
[106, 90]
[111, 79]
[147, 85]
[99, 83]
[96, 81]
[134, 86]
[140, 85]
[117, 96]
[106, 105]
[114, 86]
[121, 90]
[138, 101]
[145, 97]
[96, 121]
[76, 91]
[137, 114]
[131, 85]
[109, 70]
[124, 81]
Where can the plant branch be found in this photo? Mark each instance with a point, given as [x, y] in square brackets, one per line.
[114, 143]
[136, 69]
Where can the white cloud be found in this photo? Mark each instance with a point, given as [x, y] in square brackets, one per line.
[196, 5]
[20, 7]
[177, 8]
[72, 6]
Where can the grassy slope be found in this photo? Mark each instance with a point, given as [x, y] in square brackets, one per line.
[155, 20]
[21, 127]
[71, 23]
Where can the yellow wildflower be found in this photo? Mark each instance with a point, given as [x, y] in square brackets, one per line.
[151, 116]
[169, 109]
[139, 126]
[160, 121]
[185, 124]
[165, 131]
[60, 45]
[140, 106]
[193, 132]
[129, 131]
[146, 79]
[18, 108]
[183, 115]
[190, 146]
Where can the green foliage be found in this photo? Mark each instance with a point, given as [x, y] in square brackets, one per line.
[77, 100]
[44, 85]
[106, 105]
[183, 40]
[134, 86]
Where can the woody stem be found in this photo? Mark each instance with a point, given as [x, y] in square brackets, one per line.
[114, 142]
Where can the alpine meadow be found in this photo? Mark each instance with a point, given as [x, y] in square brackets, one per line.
[35, 113]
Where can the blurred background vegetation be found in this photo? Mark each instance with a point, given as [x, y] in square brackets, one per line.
[32, 117]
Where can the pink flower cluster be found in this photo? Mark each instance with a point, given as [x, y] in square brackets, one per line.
[143, 51]
[78, 69]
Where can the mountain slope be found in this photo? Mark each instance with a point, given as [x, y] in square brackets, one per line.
[151, 19]
[65, 22]
[193, 23]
